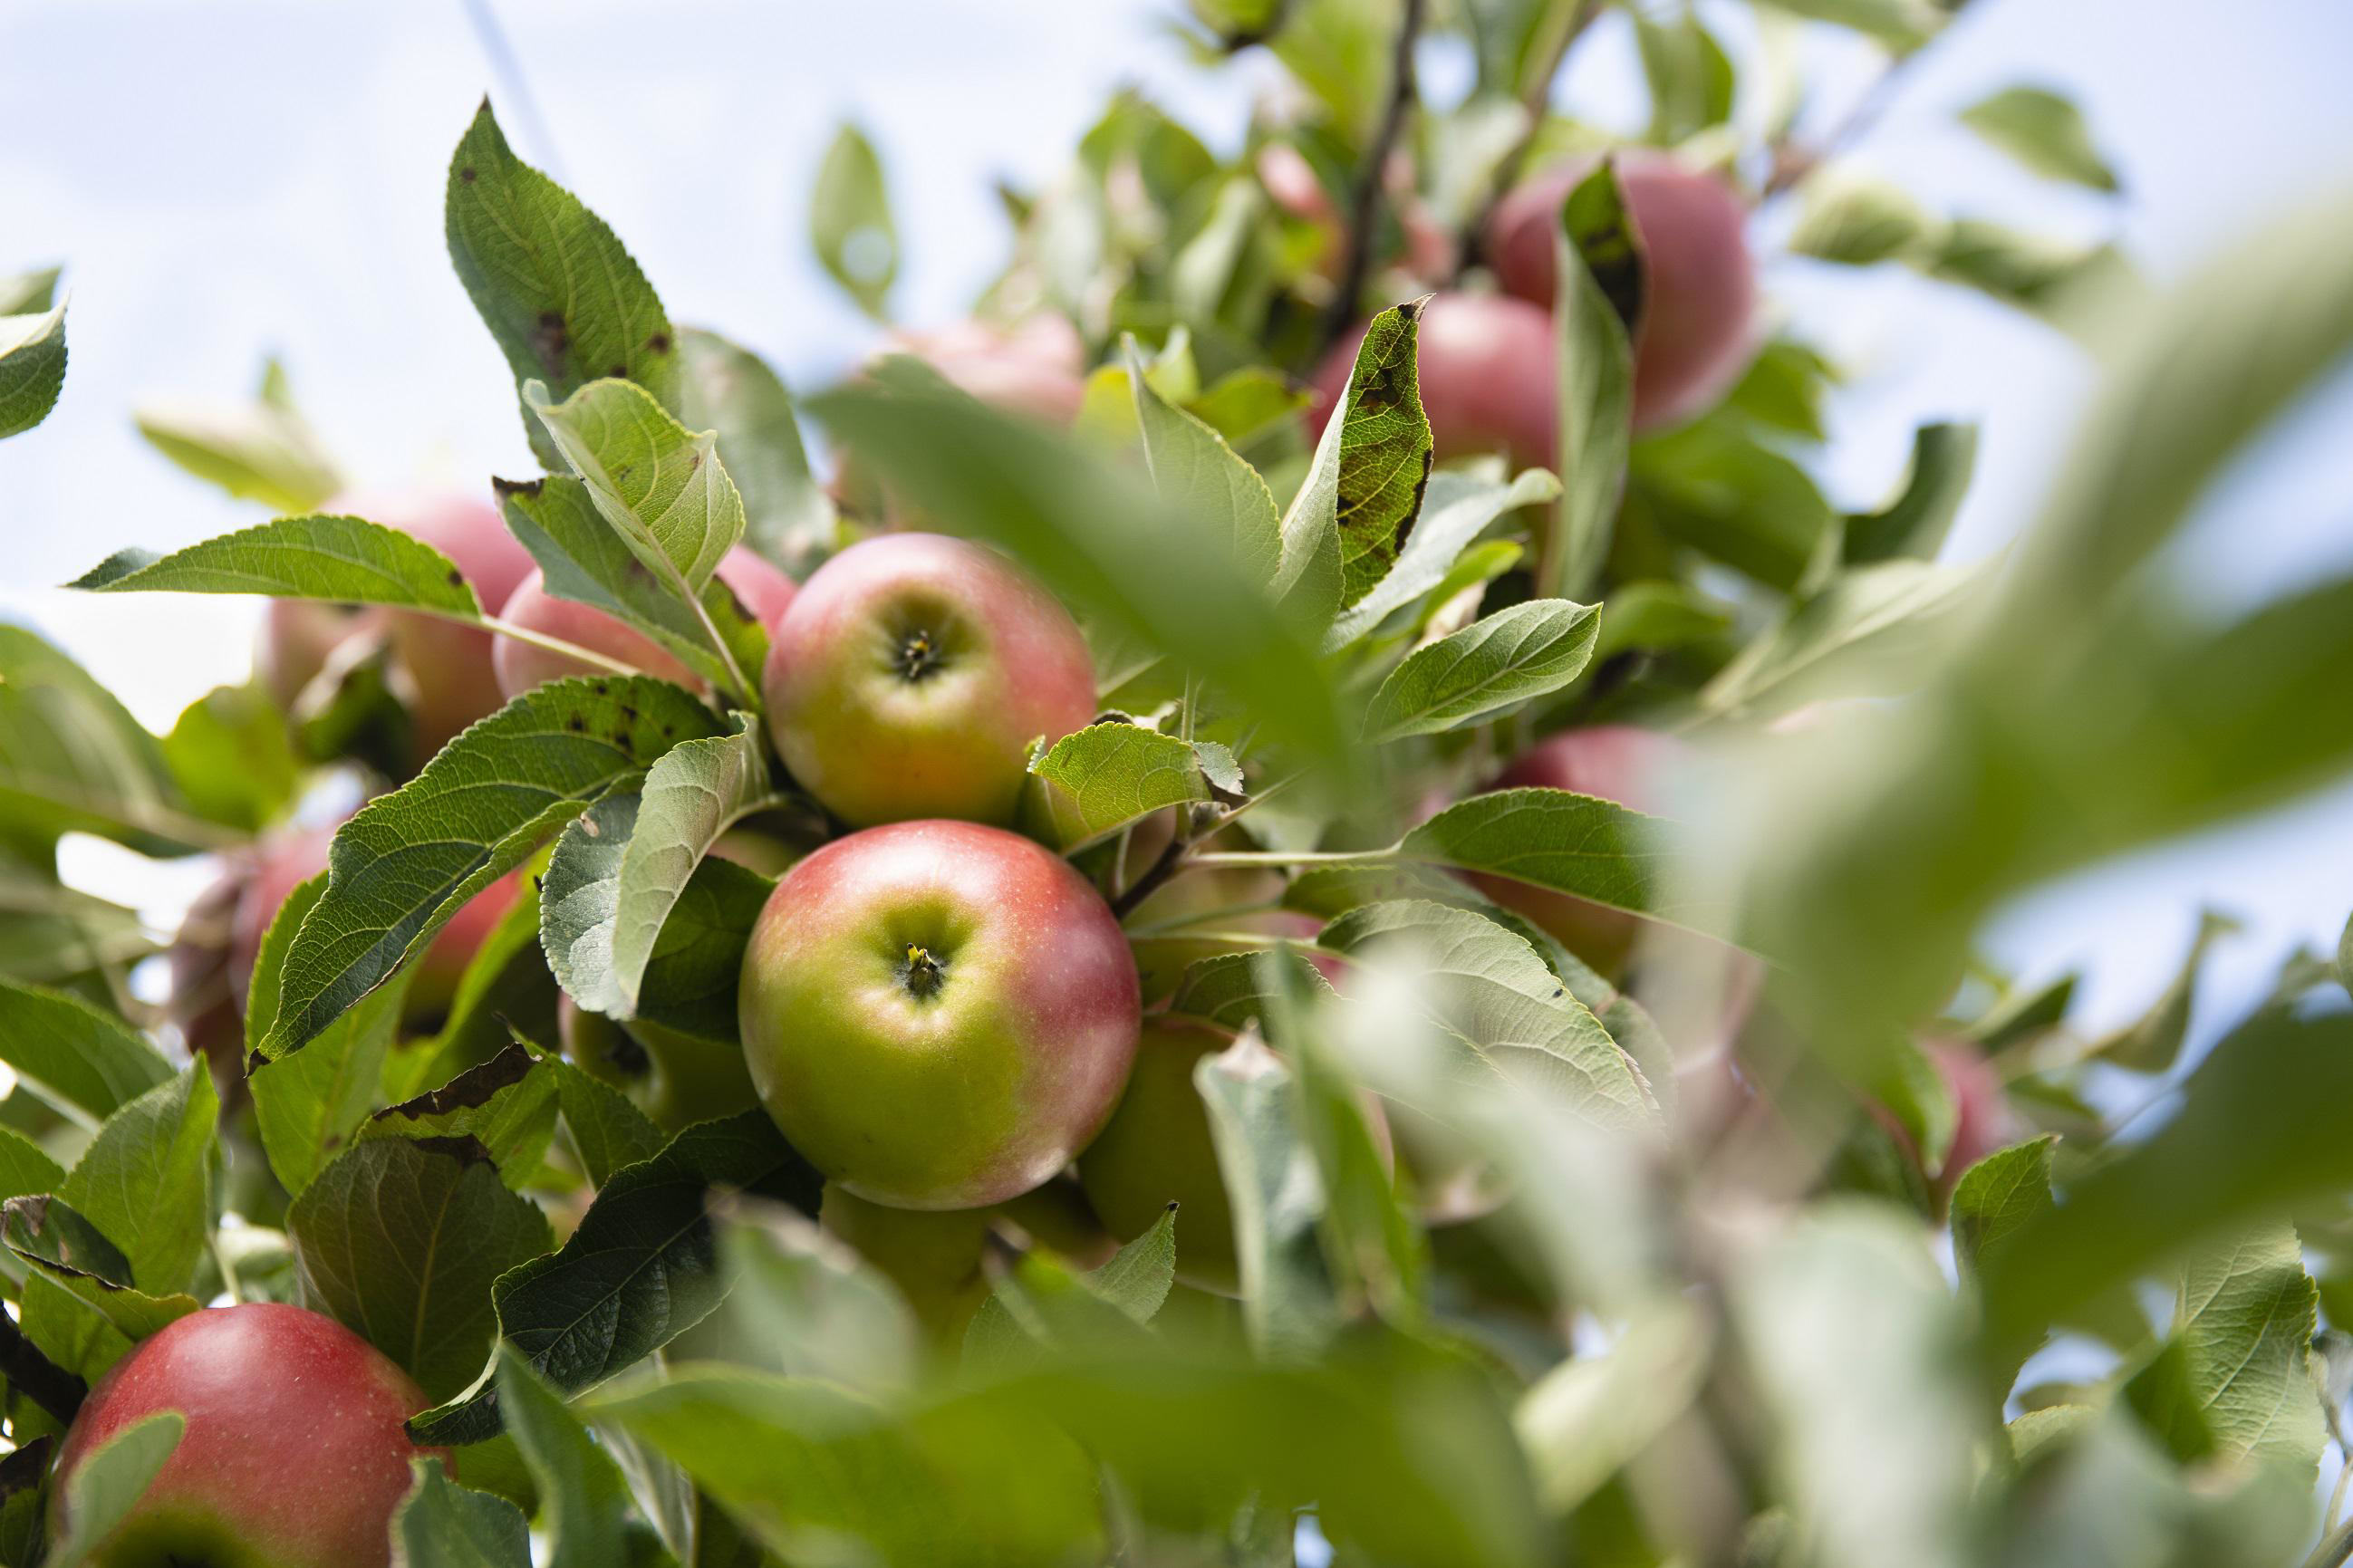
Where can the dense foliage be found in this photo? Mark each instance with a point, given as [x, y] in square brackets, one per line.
[1391, 609]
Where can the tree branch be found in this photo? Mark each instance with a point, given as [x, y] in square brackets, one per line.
[35, 1376]
[1533, 101]
[1364, 201]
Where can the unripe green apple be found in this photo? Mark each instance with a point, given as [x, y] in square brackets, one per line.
[675, 1078]
[938, 1014]
[1156, 1150]
[293, 1455]
[1486, 369]
[910, 673]
[760, 588]
[933, 1256]
[1700, 292]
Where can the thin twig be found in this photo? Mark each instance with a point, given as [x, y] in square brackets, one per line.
[1533, 101]
[587, 656]
[508, 68]
[2334, 1550]
[1793, 164]
[1371, 177]
[1159, 871]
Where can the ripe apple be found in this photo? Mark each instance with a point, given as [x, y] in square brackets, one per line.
[938, 1014]
[446, 667]
[286, 863]
[933, 1256]
[1983, 1120]
[675, 1078]
[759, 587]
[1486, 369]
[1035, 366]
[293, 1455]
[910, 673]
[1700, 299]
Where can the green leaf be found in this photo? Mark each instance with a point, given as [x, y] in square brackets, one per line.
[1870, 631]
[661, 485]
[1782, 389]
[343, 560]
[1492, 995]
[70, 1251]
[558, 291]
[1098, 539]
[787, 515]
[1690, 77]
[2152, 1042]
[108, 1483]
[1137, 1278]
[1902, 25]
[445, 1525]
[73, 1055]
[22, 1472]
[1202, 479]
[401, 1239]
[506, 990]
[2260, 1130]
[32, 368]
[507, 1104]
[808, 1467]
[1249, 405]
[1364, 487]
[584, 1500]
[691, 985]
[849, 222]
[609, 1132]
[263, 450]
[2032, 272]
[1998, 1196]
[1095, 781]
[147, 1179]
[640, 1269]
[232, 758]
[1457, 508]
[1656, 615]
[1713, 485]
[410, 859]
[1851, 1334]
[584, 558]
[806, 1305]
[1277, 1197]
[1593, 849]
[1914, 524]
[1590, 1415]
[1493, 665]
[2043, 130]
[1232, 990]
[2235, 1381]
[307, 1106]
[25, 1167]
[1599, 256]
[691, 796]
[1856, 220]
[72, 758]
[28, 293]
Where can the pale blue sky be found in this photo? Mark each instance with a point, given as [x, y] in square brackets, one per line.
[227, 179]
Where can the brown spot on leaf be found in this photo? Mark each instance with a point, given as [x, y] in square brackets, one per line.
[659, 344]
[550, 342]
[467, 174]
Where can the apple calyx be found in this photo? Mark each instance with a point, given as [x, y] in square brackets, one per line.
[922, 975]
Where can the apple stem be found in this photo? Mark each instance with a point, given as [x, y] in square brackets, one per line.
[588, 656]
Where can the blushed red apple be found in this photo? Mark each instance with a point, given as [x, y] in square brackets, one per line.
[1035, 366]
[938, 1014]
[293, 1455]
[1696, 334]
[910, 674]
[759, 587]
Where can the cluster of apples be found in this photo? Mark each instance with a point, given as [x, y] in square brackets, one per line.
[1489, 361]
[943, 1015]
